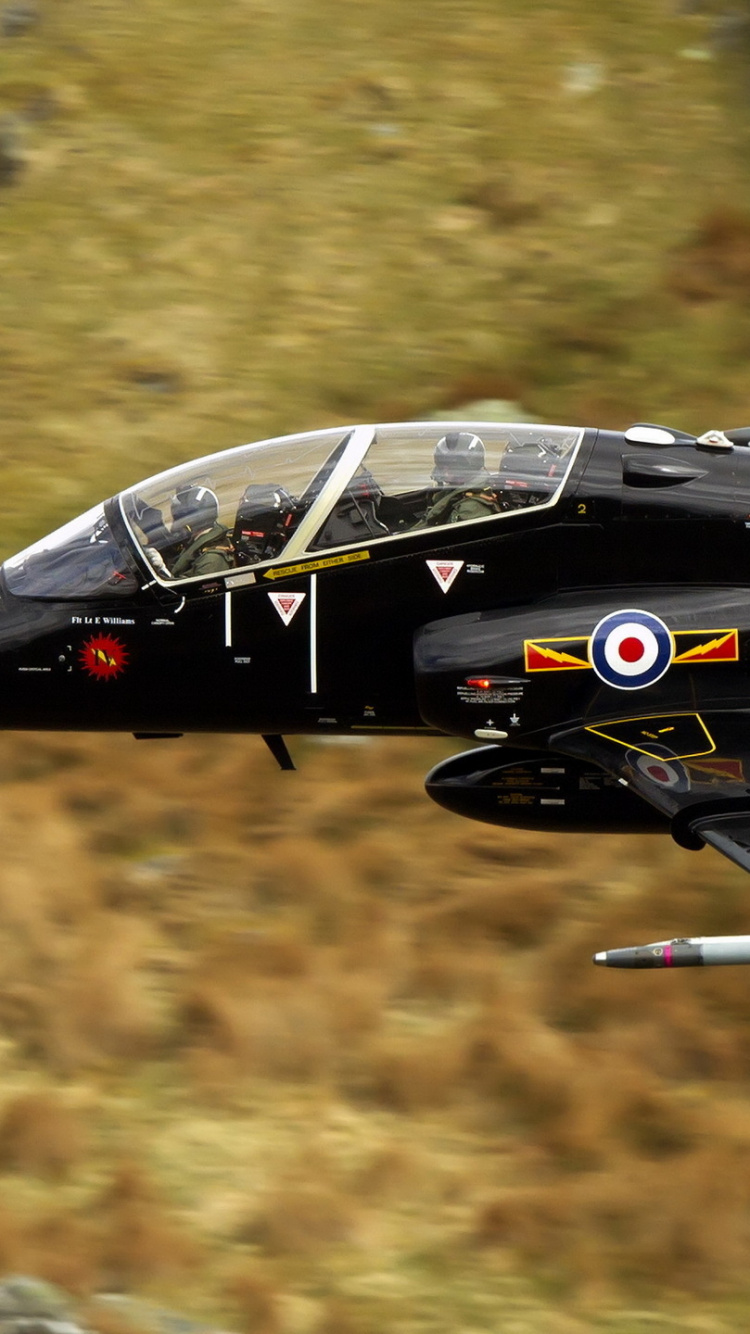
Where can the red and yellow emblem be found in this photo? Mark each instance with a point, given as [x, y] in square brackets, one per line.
[104, 656]
[691, 647]
[550, 655]
[706, 646]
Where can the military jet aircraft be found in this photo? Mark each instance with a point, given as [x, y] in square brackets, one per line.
[578, 600]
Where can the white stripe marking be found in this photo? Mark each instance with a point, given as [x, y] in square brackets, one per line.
[228, 620]
[313, 634]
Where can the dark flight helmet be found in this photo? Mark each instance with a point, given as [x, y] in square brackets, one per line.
[194, 508]
[459, 458]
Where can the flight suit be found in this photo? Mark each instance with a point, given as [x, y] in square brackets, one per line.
[208, 553]
[459, 505]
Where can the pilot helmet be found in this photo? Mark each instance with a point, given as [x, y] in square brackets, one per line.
[459, 458]
[194, 508]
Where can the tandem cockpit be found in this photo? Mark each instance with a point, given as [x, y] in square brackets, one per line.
[298, 495]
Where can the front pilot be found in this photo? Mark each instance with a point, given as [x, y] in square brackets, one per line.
[205, 547]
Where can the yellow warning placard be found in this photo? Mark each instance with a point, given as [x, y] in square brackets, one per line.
[310, 566]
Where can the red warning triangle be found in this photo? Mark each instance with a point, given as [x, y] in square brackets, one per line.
[287, 604]
[445, 571]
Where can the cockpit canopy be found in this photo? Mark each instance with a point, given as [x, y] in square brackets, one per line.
[81, 560]
[306, 493]
[301, 494]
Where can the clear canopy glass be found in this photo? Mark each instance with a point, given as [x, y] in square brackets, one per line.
[79, 560]
[283, 498]
[299, 494]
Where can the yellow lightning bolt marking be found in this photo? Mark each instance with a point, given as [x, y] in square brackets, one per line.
[532, 645]
[700, 649]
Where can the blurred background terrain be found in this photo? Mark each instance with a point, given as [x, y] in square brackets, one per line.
[300, 1053]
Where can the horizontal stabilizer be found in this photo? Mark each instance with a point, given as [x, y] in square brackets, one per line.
[700, 781]
[729, 834]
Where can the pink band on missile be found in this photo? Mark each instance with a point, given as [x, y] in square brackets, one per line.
[668, 956]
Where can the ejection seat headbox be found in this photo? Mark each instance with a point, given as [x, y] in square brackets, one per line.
[265, 518]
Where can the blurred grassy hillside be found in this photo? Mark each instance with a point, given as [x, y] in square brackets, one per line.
[300, 1053]
[222, 221]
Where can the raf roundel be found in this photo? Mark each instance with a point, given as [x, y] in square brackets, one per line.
[662, 768]
[630, 649]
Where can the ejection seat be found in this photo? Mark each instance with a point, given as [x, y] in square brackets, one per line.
[527, 474]
[354, 517]
[265, 519]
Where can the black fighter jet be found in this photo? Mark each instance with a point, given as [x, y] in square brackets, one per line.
[578, 599]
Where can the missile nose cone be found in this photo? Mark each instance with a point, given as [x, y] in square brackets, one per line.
[635, 956]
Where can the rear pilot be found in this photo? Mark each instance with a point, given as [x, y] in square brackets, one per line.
[467, 492]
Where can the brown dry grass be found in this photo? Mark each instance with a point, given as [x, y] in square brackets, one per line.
[255, 1301]
[39, 1133]
[295, 1051]
[715, 263]
[137, 1240]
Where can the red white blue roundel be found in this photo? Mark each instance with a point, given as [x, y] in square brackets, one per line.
[661, 768]
[630, 649]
